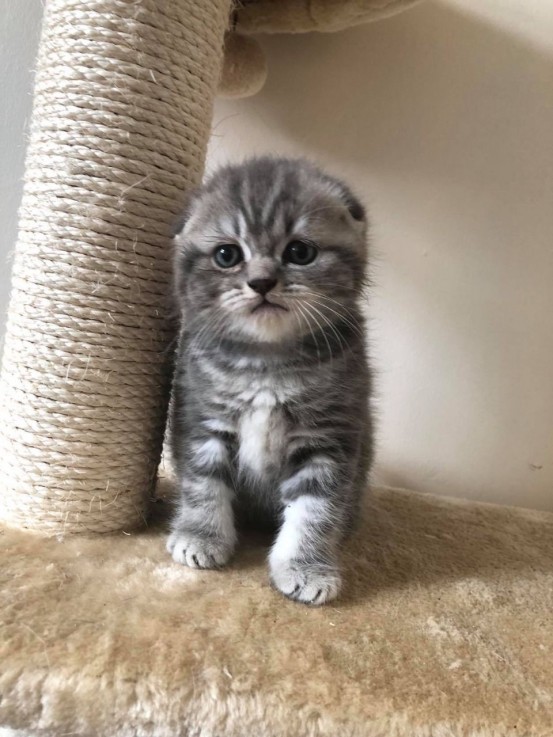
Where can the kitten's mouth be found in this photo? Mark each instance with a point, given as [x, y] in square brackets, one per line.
[266, 307]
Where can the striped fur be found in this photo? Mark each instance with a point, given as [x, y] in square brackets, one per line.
[270, 418]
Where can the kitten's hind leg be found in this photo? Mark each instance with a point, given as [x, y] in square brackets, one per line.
[204, 533]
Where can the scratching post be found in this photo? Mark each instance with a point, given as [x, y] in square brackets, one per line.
[122, 109]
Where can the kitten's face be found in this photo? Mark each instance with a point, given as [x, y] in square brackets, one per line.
[271, 250]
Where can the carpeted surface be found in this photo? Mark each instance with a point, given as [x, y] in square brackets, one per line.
[445, 629]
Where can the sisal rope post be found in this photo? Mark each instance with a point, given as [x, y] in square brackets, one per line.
[122, 111]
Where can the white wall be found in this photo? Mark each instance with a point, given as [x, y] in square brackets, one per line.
[19, 31]
[442, 118]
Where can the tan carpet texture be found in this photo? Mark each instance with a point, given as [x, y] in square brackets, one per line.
[445, 629]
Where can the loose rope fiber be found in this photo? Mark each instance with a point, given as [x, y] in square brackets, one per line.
[122, 111]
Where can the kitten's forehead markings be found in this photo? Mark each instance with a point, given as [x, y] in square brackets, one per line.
[190, 224]
[270, 206]
[242, 235]
[240, 200]
[226, 229]
[301, 225]
[242, 225]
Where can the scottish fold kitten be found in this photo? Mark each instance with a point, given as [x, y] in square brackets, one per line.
[270, 417]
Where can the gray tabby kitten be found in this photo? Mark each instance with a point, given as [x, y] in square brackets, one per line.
[270, 416]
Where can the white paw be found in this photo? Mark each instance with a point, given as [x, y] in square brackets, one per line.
[199, 552]
[310, 583]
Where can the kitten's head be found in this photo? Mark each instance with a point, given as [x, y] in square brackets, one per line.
[269, 251]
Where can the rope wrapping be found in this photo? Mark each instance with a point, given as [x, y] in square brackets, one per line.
[122, 110]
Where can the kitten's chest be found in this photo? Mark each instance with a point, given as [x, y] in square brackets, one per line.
[262, 431]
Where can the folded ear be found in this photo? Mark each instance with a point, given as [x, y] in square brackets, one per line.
[182, 218]
[179, 249]
[179, 224]
[356, 209]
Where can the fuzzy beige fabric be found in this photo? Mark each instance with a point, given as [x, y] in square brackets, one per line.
[301, 16]
[245, 70]
[444, 630]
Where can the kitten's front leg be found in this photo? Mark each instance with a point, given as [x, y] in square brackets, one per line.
[303, 562]
[204, 534]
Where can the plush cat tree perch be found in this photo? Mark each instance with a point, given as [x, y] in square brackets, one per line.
[446, 626]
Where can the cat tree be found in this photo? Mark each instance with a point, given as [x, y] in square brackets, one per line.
[122, 111]
[104, 634]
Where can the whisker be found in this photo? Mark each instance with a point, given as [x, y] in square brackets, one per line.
[310, 292]
[307, 322]
[199, 340]
[330, 325]
[355, 327]
[320, 328]
[353, 323]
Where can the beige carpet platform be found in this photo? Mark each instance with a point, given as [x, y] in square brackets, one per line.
[445, 629]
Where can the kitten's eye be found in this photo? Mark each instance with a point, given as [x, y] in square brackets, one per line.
[228, 255]
[300, 253]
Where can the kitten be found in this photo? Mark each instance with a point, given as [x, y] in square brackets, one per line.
[270, 415]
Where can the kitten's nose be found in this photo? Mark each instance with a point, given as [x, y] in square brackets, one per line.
[262, 286]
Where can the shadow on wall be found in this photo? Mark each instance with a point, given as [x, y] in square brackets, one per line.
[353, 91]
[444, 123]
